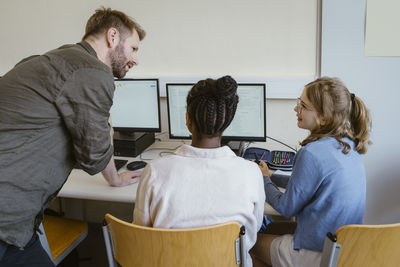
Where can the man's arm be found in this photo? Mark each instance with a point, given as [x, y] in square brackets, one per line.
[83, 103]
[110, 172]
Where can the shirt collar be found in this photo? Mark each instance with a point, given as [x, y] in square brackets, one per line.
[195, 152]
[88, 48]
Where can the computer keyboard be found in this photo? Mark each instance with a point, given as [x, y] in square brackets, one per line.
[119, 163]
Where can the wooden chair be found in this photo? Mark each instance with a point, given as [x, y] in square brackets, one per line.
[60, 236]
[363, 245]
[132, 245]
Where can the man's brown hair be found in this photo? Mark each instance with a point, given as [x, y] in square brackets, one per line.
[105, 18]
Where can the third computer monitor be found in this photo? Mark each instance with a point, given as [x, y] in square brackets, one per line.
[247, 125]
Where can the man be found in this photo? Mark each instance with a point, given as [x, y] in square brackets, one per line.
[54, 112]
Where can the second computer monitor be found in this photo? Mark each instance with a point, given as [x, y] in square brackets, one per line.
[249, 121]
[136, 105]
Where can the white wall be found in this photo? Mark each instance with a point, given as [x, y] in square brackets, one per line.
[185, 37]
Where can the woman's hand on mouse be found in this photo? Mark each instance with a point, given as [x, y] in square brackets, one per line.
[264, 168]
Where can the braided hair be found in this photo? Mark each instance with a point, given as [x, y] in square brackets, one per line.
[211, 105]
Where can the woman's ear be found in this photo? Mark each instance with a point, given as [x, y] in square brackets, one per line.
[322, 121]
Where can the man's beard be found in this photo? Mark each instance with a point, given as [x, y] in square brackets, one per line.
[118, 62]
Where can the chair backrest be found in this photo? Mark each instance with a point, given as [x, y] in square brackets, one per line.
[368, 245]
[135, 245]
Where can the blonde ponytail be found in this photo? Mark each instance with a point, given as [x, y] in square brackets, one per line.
[360, 124]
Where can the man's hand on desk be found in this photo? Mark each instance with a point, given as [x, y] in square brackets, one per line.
[128, 177]
[119, 179]
[123, 178]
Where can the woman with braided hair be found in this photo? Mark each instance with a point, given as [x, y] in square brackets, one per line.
[327, 187]
[203, 183]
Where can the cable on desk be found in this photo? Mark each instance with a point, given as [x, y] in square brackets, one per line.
[282, 143]
[156, 136]
[161, 154]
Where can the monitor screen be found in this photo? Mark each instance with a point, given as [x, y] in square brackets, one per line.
[136, 105]
[247, 125]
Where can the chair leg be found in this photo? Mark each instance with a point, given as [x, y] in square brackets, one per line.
[108, 244]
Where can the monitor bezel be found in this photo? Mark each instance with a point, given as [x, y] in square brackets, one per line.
[142, 129]
[224, 138]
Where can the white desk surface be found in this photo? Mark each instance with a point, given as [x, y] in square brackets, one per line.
[81, 185]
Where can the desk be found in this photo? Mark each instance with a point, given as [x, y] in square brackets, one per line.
[81, 185]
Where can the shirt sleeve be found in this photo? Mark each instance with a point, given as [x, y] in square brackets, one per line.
[301, 187]
[84, 104]
[141, 212]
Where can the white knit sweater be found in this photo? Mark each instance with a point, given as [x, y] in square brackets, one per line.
[198, 187]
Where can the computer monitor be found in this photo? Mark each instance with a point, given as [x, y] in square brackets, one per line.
[136, 106]
[247, 125]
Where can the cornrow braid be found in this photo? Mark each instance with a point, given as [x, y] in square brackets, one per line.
[230, 110]
[220, 115]
[199, 114]
[210, 113]
[211, 105]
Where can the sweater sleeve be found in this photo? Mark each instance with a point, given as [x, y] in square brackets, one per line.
[141, 212]
[301, 187]
[280, 180]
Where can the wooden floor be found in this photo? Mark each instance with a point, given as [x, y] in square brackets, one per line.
[90, 253]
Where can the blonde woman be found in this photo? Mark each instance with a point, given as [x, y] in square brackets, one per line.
[327, 187]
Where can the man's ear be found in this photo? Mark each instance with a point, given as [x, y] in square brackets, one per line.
[112, 37]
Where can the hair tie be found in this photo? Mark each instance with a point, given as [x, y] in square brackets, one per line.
[352, 96]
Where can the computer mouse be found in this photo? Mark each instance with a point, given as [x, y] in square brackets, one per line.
[135, 165]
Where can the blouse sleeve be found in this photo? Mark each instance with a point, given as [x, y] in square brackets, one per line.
[302, 185]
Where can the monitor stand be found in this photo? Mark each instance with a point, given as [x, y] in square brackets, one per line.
[131, 144]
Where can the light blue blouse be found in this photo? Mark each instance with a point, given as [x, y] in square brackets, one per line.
[326, 190]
